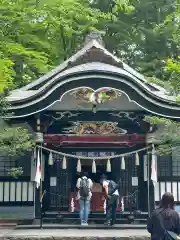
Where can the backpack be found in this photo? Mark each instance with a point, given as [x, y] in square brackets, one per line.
[84, 188]
[112, 187]
[168, 235]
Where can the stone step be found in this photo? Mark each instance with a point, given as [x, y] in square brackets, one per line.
[8, 225]
[92, 215]
[78, 226]
[91, 220]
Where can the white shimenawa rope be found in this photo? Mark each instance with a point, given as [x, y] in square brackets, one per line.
[95, 158]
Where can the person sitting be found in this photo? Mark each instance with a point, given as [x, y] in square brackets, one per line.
[163, 219]
[84, 186]
[111, 195]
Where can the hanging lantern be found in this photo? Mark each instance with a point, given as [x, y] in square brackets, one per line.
[108, 167]
[50, 160]
[78, 168]
[137, 159]
[64, 163]
[123, 163]
[94, 166]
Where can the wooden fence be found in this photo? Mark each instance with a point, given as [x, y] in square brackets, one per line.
[167, 186]
[16, 192]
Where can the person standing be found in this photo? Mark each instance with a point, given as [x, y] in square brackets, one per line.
[84, 186]
[164, 219]
[111, 195]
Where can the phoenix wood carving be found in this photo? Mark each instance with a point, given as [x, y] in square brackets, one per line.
[99, 96]
[98, 128]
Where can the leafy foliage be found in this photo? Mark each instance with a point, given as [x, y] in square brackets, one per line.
[19, 42]
[15, 141]
[38, 35]
[15, 172]
[142, 37]
[169, 136]
[35, 37]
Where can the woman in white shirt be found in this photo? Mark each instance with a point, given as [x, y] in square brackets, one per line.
[84, 201]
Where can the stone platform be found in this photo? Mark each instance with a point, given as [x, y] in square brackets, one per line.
[73, 234]
[36, 225]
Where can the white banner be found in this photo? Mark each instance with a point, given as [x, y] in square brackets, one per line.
[145, 160]
[154, 169]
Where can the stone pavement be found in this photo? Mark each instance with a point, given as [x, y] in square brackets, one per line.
[75, 234]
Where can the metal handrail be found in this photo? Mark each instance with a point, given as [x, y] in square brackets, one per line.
[130, 195]
[42, 196]
[41, 199]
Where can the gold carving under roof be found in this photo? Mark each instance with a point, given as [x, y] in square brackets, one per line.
[99, 96]
[97, 128]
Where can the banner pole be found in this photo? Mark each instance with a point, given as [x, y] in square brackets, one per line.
[148, 183]
[41, 197]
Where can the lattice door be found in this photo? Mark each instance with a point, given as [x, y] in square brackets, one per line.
[59, 194]
[126, 188]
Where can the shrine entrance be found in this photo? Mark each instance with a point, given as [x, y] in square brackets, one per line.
[60, 184]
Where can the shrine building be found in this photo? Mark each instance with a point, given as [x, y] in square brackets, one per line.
[88, 114]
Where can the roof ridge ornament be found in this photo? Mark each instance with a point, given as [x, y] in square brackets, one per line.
[95, 35]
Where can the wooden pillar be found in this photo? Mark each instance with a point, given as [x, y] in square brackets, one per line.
[38, 191]
[151, 186]
[37, 203]
[142, 183]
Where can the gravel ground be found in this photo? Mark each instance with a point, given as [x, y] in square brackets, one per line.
[73, 234]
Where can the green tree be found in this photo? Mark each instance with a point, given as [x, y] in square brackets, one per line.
[13, 140]
[22, 46]
[147, 38]
[34, 37]
[154, 43]
[170, 137]
[38, 35]
[139, 35]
